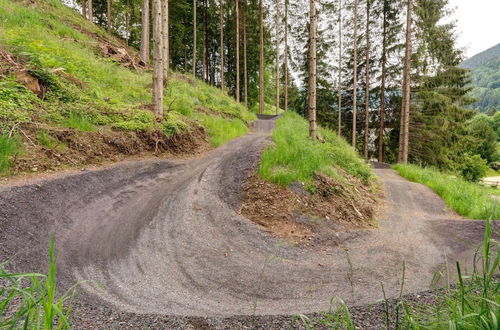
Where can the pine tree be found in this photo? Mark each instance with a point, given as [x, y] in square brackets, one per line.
[221, 14]
[367, 79]
[312, 70]
[195, 40]
[158, 69]
[144, 50]
[355, 74]
[261, 57]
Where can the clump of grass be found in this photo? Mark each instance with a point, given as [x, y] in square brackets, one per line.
[79, 122]
[222, 130]
[467, 199]
[9, 146]
[295, 157]
[33, 299]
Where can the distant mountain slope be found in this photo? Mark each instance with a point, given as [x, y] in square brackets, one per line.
[485, 68]
[482, 58]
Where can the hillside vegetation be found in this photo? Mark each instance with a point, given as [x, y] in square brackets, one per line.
[485, 68]
[66, 98]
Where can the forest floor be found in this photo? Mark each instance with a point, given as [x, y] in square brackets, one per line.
[166, 241]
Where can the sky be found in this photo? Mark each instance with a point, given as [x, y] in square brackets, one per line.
[478, 24]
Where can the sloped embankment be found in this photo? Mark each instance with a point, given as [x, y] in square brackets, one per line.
[306, 191]
[71, 94]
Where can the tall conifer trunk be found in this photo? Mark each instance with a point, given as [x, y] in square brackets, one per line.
[382, 85]
[195, 40]
[339, 127]
[286, 56]
[277, 58]
[355, 75]
[237, 51]
[91, 11]
[261, 57]
[157, 58]
[245, 64]
[84, 8]
[222, 45]
[108, 15]
[367, 80]
[405, 106]
[312, 70]
[205, 32]
[165, 43]
[144, 50]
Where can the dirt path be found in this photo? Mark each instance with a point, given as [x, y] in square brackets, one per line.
[165, 238]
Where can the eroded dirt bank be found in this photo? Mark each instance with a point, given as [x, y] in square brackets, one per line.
[164, 238]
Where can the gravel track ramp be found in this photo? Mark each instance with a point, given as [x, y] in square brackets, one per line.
[163, 240]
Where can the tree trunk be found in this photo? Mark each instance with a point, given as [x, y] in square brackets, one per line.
[261, 57]
[312, 70]
[286, 56]
[367, 81]
[91, 10]
[382, 86]
[205, 32]
[144, 51]
[84, 8]
[277, 58]
[165, 43]
[405, 107]
[245, 64]
[339, 127]
[185, 56]
[222, 45]
[237, 52]
[355, 75]
[109, 17]
[195, 40]
[157, 58]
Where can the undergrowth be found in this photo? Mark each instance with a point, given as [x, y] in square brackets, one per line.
[85, 90]
[466, 198]
[9, 146]
[295, 157]
[31, 301]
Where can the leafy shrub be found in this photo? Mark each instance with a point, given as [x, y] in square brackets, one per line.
[473, 168]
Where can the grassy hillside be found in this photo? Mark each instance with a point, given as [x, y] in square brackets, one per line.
[65, 99]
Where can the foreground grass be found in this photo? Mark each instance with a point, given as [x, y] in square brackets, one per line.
[467, 199]
[474, 303]
[295, 157]
[31, 301]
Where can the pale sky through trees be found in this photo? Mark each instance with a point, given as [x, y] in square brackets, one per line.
[478, 24]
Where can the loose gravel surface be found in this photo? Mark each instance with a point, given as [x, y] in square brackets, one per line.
[160, 244]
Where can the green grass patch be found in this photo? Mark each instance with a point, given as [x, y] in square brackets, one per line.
[466, 198]
[222, 130]
[9, 146]
[80, 122]
[31, 301]
[295, 157]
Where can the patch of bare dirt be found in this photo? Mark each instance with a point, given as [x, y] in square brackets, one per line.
[297, 215]
[73, 148]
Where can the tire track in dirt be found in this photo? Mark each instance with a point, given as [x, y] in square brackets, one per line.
[165, 237]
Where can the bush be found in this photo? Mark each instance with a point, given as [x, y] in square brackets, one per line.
[473, 168]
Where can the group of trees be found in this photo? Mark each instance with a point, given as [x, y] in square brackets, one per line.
[384, 73]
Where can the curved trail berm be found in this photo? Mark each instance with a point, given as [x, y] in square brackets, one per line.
[164, 238]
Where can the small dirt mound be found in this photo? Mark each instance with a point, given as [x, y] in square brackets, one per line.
[297, 215]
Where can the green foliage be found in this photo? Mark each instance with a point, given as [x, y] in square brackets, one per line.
[482, 129]
[80, 122]
[16, 103]
[466, 198]
[140, 121]
[222, 130]
[33, 299]
[174, 124]
[473, 168]
[46, 140]
[295, 157]
[9, 146]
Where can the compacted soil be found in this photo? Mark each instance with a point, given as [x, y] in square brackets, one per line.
[162, 244]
